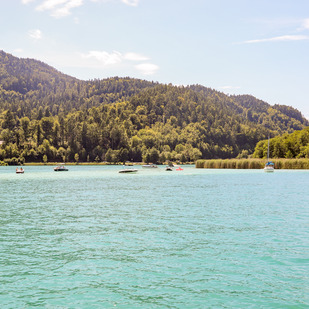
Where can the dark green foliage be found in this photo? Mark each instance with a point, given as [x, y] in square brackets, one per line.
[294, 145]
[48, 116]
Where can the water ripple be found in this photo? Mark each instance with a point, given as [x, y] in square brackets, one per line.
[92, 238]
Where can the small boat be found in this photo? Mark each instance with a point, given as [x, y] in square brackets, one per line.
[169, 168]
[269, 166]
[179, 168]
[20, 170]
[128, 170]
[149, 166]
[60, 168]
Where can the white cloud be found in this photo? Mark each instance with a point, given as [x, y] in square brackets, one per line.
[93, 63]
[114, 57]
[26, 1]
[306, 23]
[131, 2]
[102, 1]
[50, 4]
[147, 68]
[303, 25]
[104, 57]
[35, 34]
[59, 8]
[62, 8]
[283, 38]
[127, 2]
[135, 57]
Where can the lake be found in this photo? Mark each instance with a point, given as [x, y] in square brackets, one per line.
[197, 238]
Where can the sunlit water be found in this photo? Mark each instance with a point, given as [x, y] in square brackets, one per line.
[94, 238]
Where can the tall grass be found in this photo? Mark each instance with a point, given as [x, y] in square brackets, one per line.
[253, 163]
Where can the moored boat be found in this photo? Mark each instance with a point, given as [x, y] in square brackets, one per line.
[269, 166]
[128, 170]
[20, 170]
[149, 166]
[61, 168]
[169, 168]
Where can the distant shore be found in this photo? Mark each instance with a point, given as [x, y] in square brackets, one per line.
[88, 163]
[253, 163]
[302, 163]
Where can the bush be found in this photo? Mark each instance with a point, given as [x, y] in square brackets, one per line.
[12, 161]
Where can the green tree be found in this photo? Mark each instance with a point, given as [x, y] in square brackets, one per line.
[123, 155]
[109, 156]
[9, 121]
[154, 155]
[38, 134]
[25, 124]
[47, 124]
[76, 157]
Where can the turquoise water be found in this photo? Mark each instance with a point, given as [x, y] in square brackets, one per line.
[93, 238]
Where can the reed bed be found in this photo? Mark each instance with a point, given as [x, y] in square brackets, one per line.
[253, 163]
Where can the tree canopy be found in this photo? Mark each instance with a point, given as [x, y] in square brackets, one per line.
[294, 145]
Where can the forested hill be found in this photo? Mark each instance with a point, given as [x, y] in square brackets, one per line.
[277, 117]
[47, 115]
[30, 84]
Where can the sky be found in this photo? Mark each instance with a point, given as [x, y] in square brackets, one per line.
[256, 47]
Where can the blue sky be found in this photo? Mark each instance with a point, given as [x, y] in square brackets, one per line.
[257, 47]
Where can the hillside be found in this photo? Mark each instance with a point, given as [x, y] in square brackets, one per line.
[27, 75]
[47, 115]
[32, 84]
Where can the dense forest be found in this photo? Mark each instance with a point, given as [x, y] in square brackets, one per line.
[47, 116]
[294, 145]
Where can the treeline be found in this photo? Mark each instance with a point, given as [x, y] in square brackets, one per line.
[294, 145]
[110, 133]
[48, 116]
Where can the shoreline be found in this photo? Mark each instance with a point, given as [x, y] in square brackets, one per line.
[252, 163]
[302, 163]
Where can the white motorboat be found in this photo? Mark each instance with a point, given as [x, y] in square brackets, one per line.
[61, 168]
[128, 170]
[149, 166]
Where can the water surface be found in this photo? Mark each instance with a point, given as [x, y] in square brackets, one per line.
[93, 238]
